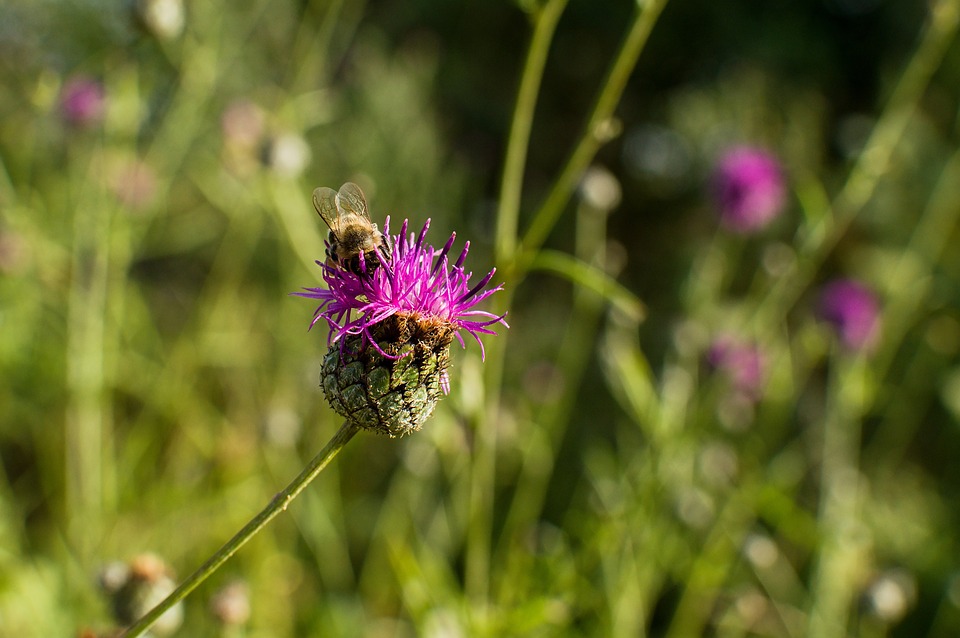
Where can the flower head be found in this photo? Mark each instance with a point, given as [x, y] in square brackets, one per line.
[391, 328]
[749, 189]
[743, 364]
[164, 19]
[136, 587]
[82, 101]
[853, 309]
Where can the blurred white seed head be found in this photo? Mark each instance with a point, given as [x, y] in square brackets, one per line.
[287, 155]
[282, 426]
[695, 508]
[113, 575]
[891, 595]
[607, 130]
[231, 604]
[600, 189]
[162, 18]
[751, 606]
[761, 551]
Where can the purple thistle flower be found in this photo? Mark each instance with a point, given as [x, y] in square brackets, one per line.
[743, 364]
[854, 311]
[414, 280]
[398, 317]
[82, 101]
[749, 189]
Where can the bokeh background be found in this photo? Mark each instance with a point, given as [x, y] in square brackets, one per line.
[608, 470]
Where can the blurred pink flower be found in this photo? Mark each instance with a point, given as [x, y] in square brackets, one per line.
[743, 364]
[749, 189]
[82, 101]
[854, 311]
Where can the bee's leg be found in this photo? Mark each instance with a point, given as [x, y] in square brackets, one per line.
[370, 261]
[331, 260]
[386, 249]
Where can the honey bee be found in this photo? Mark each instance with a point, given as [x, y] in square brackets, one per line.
[354, 240]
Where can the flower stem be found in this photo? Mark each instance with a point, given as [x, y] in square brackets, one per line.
[597, 130]
[278, 504]
[843, 553]
[545, 23]
[87, 426]
[483, 469]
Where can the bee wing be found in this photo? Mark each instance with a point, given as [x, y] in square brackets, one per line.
[350, 201]
[325, 201]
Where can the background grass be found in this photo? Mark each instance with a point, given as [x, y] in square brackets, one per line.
[593, 477]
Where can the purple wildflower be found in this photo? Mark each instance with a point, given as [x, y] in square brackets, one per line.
[82, 101]
[749, 188]
[391, 327]
[414, 281]
[853, 309]
[742, 363]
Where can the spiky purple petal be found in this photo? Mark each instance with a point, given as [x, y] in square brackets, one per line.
[413, 278]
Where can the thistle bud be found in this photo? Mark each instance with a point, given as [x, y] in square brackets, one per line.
[393, 396]
[137, 587]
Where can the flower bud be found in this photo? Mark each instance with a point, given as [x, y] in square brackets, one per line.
[137, 587]
[394, 388]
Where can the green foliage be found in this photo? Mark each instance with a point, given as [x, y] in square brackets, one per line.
[595, 476]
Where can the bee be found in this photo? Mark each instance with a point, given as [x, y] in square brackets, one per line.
[354, 240]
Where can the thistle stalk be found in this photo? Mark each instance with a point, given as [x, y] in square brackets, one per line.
[278, 504]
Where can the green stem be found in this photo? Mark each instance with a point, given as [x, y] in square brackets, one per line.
[478, 550]
[477, 578]
[87, 420]
[278, 504]
[874, 161]
[598, 128]
[511, 183]
[573, 353]
[712, 566]
[842, 553]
